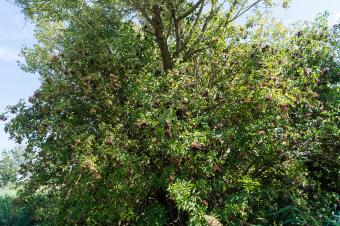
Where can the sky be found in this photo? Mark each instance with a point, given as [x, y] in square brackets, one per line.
[16, 32]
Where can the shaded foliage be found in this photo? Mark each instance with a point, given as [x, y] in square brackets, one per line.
[12, 213]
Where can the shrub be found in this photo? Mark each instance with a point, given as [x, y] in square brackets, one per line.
[12, 214]
[228, 131]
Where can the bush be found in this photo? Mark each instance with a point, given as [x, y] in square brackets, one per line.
[240, 132]
[12, 214]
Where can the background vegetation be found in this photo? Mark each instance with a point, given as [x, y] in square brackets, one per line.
[12, 210]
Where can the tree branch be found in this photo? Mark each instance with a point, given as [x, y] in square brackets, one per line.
[191, 10]
[192, 50]
[141, 9]
[176, 25]
[246, 9]
[187, 39]
[160, 37]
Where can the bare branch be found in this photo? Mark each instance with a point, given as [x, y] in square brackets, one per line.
[176, 23]
[211, 15]
[246, 9]
[191, 10]
[136, 4]
[187, 39]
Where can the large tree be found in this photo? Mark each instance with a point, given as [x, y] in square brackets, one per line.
[168, 112]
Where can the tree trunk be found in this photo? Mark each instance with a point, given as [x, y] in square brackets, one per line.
[160, 38]
[165, 54]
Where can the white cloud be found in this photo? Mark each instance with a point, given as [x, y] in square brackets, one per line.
[9, 55]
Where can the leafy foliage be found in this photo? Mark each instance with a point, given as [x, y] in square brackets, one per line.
[244, 131]
[12, 213]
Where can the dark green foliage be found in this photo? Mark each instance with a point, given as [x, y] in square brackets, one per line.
[12, 213]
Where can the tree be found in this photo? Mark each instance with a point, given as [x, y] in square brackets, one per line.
[9, 165]
[186, 24]
[8, 172]
[180, 28]
[168, 113]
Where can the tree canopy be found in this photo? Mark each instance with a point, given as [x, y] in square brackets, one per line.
[170, 113]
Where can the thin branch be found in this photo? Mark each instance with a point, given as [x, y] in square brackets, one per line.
[176, 23]
[241, 12]
[185, 43]
[192, 50]
[168, 30]
[191, 10]
[189, 54]
[142, 10]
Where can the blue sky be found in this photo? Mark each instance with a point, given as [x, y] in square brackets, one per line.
[15, 33]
